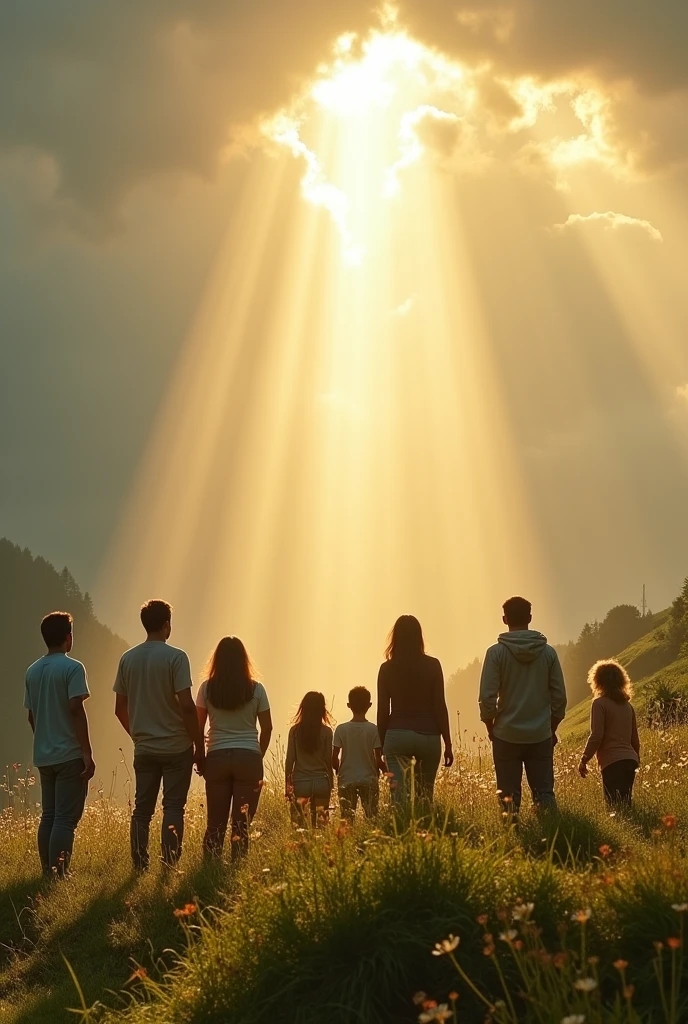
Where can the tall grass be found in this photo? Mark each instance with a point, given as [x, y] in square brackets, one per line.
[340, 924]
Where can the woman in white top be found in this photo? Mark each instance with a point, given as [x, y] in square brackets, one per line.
[231, 702]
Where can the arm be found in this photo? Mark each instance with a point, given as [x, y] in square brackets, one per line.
[202, 715]
[557, 692]
[265, 723]
[77, 714]
[190, 720]
[31, 722]
[595, 737]
[635, 738]
[335, 758]
[489, 691]
[290, 763]
[122, 712]
[379, 760]
[383, 700]
[442, 715]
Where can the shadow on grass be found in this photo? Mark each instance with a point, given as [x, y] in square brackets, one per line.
[121, 925]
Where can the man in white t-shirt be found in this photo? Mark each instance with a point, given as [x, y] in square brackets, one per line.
[54, 693]
[155, 706]
[358, 741]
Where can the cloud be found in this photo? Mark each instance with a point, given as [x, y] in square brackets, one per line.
[404, 308]
[682, 392]
[609, 221]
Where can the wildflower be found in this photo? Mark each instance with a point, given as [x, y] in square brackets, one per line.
[669, 821]
[673, 943]
[441, 1012]
[559, 960]
[453, 996]
[482, 919]
[628, 991]
[139, 973]
[574, 1018]
[420, 998]
[680, 908]
[186, 911]
[585, 984]
[620, 965]
[659, 946]
[446, 945]
[582, 915]
[522, 911]
[593, 961]
[509, 935]
[605, 850]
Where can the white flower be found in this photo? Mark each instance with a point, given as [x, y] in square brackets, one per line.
[441, 1012]
[509, 935]
[575, 1018]
[582, 915]
[585, 984]
[446, 946]
[680, 908]
[522, 911]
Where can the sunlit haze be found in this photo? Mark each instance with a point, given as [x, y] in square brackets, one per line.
[434, 354]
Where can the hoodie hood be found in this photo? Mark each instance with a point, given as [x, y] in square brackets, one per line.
[525, 644]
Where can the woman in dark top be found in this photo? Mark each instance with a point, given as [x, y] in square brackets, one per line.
[412, 715]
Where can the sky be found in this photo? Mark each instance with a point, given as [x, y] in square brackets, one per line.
[316, 314]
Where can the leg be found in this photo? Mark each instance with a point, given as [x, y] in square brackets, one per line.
[247, 783]
[348, 799]
[398, 752]
[539, 764]
[47, 817]
[176, 779]
[70, 797]
[617, 780]
[428, 757]
[148, 773]
[218, 795]
[320, 801]
[508, 772]
[370, 798]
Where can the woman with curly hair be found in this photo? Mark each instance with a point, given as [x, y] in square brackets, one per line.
[613, 732]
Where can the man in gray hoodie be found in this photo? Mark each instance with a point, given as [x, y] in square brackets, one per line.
[522, 701]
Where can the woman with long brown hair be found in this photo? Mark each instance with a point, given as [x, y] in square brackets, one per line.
[308, 766]
[613, 732]
[231, 702]
[412, 716]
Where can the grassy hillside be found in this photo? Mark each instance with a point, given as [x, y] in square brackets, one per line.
[340, 925]
[650, 661]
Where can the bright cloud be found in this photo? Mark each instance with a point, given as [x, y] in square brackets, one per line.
[609, 221]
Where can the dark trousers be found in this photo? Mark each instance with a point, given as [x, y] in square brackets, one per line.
[63, 795]
[233, 781]
[538, 760]
[617, 780]
[367, 792]
[174, 772]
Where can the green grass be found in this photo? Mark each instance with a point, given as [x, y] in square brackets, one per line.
[339, 925]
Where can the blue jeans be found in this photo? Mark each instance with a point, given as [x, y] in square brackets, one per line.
[174, 772]
[538, 760]
[63, 795]
[400, 746]
[367, 792]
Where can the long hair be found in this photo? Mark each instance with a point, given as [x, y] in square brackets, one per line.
[405, 642]
[610, 679]
[312, 714]
[230, 675]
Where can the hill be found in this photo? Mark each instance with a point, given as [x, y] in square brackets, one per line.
[30, 587]
[658, 665]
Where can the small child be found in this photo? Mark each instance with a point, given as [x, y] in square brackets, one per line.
[308, 766]
[613, 732]
[361, 757]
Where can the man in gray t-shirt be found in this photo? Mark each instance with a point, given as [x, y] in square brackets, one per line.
[154, 704]
[54, 693]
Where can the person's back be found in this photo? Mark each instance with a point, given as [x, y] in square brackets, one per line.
[529, 687]
[357, 757]
[309, 764]
[154, 705]
[613, 732]
[55, 689]
[150, 675]
[522, 700]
